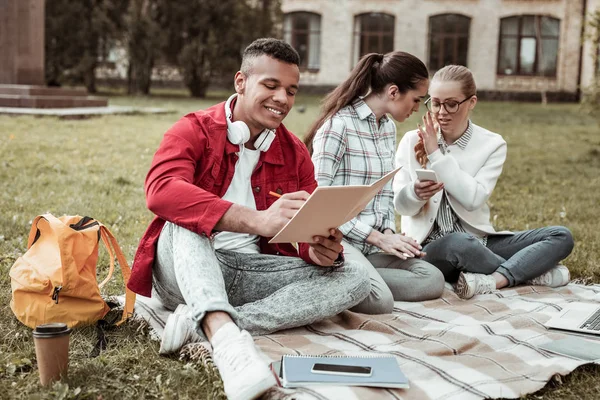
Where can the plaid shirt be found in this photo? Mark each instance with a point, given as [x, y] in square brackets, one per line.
[352, 149]
[447, 221]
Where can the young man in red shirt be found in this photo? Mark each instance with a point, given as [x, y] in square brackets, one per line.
[206, 254]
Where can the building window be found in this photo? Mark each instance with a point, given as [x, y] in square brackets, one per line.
[448, 40]
[303, 31]
[373, 33]
[528, 45]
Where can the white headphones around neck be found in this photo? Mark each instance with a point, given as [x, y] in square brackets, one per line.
[239, 133]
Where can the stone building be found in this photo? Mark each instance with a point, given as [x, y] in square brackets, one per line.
[516, 48]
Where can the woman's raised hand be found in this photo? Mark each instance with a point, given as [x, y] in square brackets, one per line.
[428, 132]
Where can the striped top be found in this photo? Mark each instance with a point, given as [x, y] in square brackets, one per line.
[447, 221]
[351, 148]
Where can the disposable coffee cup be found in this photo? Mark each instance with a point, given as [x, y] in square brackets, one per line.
[52, 351]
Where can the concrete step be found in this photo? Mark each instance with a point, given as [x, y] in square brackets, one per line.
[8, 100]
[29, 90]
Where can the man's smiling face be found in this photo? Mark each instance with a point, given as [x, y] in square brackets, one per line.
[266, 94]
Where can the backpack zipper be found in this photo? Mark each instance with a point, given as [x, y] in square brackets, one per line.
[55, 293]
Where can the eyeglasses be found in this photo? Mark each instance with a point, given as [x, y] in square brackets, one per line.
[451, 106]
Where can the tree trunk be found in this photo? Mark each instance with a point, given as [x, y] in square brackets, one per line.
[142, 43]
[89, 78]
[130, 79]
[196, 85]
[139, 76]
[145, 77]
[265, 23]
[193, 67]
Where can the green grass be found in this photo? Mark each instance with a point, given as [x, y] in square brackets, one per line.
[97, 167]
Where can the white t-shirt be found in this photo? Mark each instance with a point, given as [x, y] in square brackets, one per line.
[240, 192]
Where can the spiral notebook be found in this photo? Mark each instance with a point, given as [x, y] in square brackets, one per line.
[376, 371]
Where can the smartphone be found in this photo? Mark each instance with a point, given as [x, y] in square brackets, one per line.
[336, 369]
[426, 175]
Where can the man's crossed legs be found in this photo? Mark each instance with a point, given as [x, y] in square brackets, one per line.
[259, 293]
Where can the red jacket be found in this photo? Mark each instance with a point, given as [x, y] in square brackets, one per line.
[192, 170]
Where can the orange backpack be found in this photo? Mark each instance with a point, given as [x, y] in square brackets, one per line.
[55, 280]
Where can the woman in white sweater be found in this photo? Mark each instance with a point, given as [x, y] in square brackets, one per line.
[450, 217]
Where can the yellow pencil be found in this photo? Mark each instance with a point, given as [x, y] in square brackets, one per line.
[278, 195]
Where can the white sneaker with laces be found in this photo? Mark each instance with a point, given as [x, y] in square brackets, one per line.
[245, 375]
[179, 330]
[470, 284]
[557, 276]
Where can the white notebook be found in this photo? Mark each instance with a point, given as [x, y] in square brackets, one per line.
[328, 207]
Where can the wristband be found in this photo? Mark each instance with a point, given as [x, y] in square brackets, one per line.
[339, 261]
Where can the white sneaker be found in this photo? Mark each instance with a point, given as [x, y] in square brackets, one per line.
[179, 330]
[557, 276]
[245, 376]
[470, 284]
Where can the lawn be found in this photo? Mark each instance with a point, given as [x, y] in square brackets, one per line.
[97, 166]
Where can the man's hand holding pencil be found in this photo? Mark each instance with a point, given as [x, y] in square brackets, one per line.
[271, 220]
[325, 250]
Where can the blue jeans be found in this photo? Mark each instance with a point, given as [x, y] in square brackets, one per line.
[519, 257]
[262, 293]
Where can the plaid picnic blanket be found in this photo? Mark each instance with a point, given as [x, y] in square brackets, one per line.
[449, 348]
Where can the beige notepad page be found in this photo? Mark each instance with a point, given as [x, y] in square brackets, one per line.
[328, 207]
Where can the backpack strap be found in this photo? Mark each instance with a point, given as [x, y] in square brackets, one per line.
[88, 222]
[111, 256]
[111, 244]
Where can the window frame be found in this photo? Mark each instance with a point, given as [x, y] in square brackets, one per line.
[305, 64]
[358, 35]
[454, 35]
[537, 36]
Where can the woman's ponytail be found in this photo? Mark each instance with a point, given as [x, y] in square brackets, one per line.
[357, 84]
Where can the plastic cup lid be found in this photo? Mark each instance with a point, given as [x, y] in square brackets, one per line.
[52, 329]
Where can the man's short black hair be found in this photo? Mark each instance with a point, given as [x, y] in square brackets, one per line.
[275, 48]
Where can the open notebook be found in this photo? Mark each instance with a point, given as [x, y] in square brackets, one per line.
[328, 207]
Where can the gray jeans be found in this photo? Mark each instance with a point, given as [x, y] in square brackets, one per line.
[519, 257]
[262, 293]
[395, 279]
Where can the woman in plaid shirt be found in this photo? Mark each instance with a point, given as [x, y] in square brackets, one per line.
[353, 143]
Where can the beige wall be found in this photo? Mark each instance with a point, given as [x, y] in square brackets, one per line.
[411, 32]
[588, 50]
